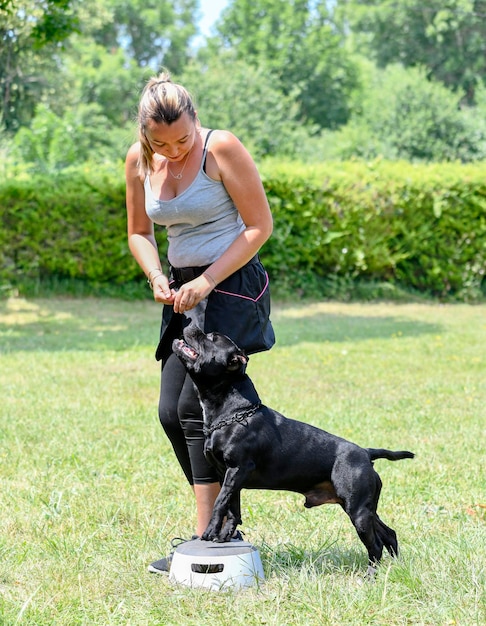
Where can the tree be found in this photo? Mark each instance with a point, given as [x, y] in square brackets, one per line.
[151, 32]
[38, 52]
[54, 142]
[247, 100]
[94, 75]
[297, 42]
[447, 38]
[31, 31]
[406, 116]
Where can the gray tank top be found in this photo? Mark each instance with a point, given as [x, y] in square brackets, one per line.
[202, 221]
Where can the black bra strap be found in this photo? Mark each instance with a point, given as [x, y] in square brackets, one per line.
[205, 150]
[207, 139]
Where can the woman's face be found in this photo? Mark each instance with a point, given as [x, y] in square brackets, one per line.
[172, 141]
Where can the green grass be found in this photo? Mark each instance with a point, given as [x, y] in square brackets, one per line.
[91, 492]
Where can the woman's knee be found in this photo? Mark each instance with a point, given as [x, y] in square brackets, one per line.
[168, 415]
[190, 412]
[172, 382]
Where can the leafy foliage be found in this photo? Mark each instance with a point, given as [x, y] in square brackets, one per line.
[293, 79]
[151, 32]
[108, 80]
[297, 42]
[26, 52]
[405, 116]
[58, 226]
[54, 143]
[261, 115]
[286, 77]
[443, 37]
[32, 61]
[421, 228]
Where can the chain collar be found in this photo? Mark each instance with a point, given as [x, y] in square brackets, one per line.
[238, 417]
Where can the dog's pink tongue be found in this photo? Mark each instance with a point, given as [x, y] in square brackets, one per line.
[189, 351]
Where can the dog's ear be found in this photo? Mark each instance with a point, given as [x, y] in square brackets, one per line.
[236, 361]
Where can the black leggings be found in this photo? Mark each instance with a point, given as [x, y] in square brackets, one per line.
[181, 417]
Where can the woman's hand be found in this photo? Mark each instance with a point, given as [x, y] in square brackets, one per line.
[162, 292]
[190, 294]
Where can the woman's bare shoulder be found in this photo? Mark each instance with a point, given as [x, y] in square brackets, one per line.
[133, 152]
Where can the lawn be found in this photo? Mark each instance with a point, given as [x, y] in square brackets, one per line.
[91, 492]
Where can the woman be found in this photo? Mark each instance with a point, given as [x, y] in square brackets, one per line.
[203, 186]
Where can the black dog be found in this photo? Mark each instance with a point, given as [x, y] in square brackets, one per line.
[255, 447]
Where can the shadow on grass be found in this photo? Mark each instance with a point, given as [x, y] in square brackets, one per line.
[329, 327]
[107, 324]
[78, 324]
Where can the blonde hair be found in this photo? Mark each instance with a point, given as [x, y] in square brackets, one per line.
[162, 102]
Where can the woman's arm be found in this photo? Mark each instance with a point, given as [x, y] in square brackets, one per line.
[141, 239]
[229, 161]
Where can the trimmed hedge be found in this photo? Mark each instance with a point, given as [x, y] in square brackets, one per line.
[417, 227]
[72, 225]
[420, 227]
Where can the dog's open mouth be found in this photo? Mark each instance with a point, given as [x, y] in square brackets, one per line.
[186, 349]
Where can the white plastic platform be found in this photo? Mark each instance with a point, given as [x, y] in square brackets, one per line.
[216, 566]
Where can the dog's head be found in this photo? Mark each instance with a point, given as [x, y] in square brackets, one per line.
[210, 356]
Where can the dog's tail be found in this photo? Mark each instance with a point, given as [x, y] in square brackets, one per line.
[391, 455]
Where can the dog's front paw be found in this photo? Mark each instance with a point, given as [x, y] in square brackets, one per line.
[225, 535]
[210, 535]
[220, 539]
[206, 537]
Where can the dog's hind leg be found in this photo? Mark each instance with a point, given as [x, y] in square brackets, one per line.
[365, 522]
[374, 533]
[361, 509]
[388, 537]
